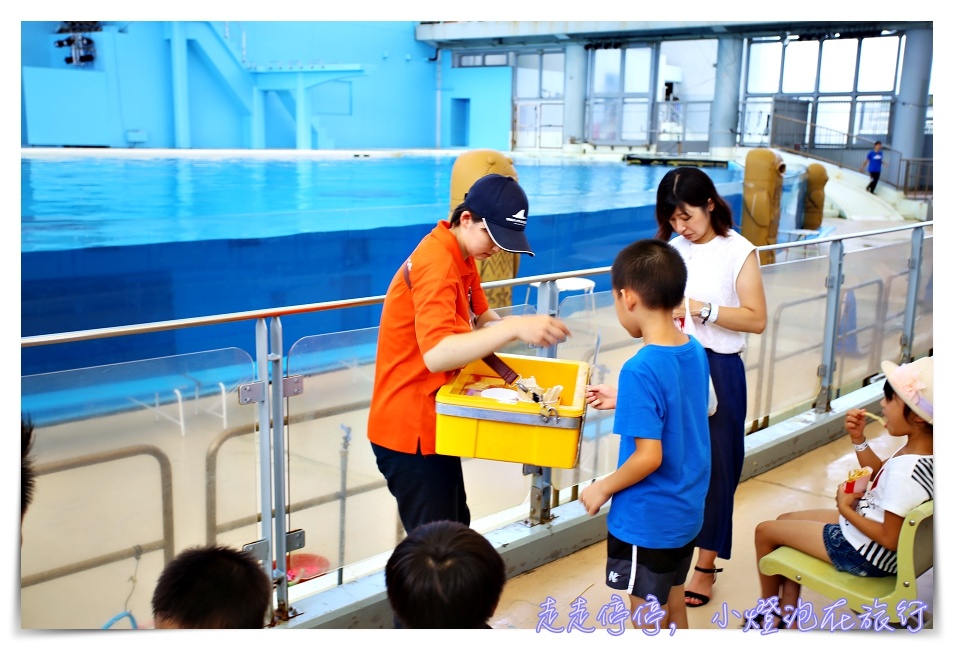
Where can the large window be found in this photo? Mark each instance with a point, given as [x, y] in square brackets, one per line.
[539, 75]
[765, 67]
[845, 84]
[838, 66]
[801, 67]
[879, 60]
[528, 75]
[638, 70]
[538, 99]
[621, 83]
[551, 75]
[606, 71]
[832, 121]
[480, 59]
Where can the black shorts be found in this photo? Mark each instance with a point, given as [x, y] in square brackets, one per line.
[644, 571]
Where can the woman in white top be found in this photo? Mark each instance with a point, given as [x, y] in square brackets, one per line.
[861, 535]
[724, 302]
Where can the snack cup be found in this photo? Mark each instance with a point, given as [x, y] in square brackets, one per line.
[858, 484]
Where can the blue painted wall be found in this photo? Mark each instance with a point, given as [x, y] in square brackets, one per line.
[392, 106]
[128, 87]
[489, 92]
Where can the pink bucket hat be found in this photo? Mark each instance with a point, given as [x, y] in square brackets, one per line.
[914, 383]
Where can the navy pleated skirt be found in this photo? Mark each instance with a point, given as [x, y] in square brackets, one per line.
[727, 435]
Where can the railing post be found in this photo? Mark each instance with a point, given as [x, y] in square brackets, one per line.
[264, 441]
[548, 302]
[280, 575]
[911, 302]
[342, 503]
[826, 370]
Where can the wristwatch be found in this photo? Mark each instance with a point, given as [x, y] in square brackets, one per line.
[705, 311]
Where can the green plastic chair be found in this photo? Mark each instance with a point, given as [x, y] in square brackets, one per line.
[915, 556]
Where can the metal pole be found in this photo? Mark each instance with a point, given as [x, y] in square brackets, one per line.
[280, 574]
[911, 302]
[826, 370]
[268, 529]
[548, 302]
[342, 503]
[264, 436]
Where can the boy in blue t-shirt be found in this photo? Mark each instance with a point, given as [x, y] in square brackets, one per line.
[873, 161]
[659, 487]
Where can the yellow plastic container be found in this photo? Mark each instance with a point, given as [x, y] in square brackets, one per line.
[472, 426]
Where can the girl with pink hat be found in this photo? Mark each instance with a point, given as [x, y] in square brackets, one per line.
[860, 536]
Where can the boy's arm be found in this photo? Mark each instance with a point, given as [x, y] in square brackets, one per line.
[643, 462]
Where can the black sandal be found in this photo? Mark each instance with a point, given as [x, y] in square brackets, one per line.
[704, 600]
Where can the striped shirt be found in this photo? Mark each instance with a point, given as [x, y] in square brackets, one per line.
[903, 483]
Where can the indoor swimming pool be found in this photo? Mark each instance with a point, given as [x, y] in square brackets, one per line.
[110, 240]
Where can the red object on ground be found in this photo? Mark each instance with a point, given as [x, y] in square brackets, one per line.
[304, 566]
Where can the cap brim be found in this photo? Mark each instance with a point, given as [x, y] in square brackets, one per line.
[512, 241]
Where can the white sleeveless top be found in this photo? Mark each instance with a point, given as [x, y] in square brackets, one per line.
[714, 268]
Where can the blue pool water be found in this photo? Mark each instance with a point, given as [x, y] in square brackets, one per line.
[110, 240]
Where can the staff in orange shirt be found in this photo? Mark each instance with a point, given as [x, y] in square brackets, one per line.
[436, 320]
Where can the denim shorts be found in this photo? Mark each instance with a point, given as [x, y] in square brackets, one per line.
[846, 557]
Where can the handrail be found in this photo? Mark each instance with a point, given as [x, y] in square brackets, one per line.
[166, 544]
[163, 326]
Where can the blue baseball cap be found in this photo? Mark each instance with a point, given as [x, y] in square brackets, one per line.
[502, 204]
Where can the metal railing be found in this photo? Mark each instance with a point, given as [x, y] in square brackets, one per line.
[913, 176]
[918, 177]
[166, 544]
[830, 145]
[277, 391]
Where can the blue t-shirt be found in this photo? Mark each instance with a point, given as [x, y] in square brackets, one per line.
[663, 395]
[874, 161]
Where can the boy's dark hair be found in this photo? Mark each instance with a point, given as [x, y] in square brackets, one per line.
[444, 575]
[212, 587]
[654, 270]
[27, 473]
[689, 186]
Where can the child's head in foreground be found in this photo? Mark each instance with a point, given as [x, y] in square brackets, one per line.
[653, 270]
[444, 575]
[212, 587]
[27, 472]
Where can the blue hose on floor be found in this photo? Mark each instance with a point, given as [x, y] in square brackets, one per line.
[118, 617]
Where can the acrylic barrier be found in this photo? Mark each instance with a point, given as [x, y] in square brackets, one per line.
[135, 461]
[336, 492]
[139, 460]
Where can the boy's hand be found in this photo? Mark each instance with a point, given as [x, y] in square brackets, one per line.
[601, 397]
[593, 497]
